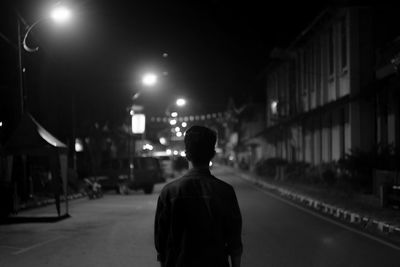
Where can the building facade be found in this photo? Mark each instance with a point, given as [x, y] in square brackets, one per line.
[317, 90]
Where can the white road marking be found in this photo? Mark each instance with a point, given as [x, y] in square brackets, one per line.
[379, 240]
[38, 245]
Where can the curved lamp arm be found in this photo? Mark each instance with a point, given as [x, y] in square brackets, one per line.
[26, 47]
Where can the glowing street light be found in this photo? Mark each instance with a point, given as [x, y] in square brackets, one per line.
[149, 79]
[60, 14]
[180, 102]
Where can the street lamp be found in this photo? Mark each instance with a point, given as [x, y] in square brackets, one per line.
[59, 15]
[148, 80]
[180, 102]
[138, 121]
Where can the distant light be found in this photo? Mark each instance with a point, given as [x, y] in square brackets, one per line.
[274, 107]
[78, 145]
[138, 123]
[177, 129]
[165, 54]
[184, 124]
[60, 14]
[180, 102]
[183, 154]
[149, 79]
[174, 114]
[163, 141]
[179, 134]
[148, 147]
[172, 122]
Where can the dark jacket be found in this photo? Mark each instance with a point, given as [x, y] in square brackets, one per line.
[198, 222]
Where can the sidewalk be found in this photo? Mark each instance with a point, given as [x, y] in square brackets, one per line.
[358, 211]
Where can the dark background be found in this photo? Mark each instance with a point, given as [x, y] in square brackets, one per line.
[89, 69]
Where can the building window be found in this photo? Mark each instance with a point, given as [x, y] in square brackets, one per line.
[343, 42]
[318, 69]
[331, 52]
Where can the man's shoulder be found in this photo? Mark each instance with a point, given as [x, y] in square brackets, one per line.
[222, 183]
[188, 180]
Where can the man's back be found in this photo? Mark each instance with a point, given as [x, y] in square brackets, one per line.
[198, 221]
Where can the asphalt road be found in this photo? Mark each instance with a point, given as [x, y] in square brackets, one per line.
[118, 231]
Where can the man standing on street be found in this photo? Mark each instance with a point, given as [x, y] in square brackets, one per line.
[198, 220]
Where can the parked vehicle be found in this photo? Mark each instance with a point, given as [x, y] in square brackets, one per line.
[122, 174]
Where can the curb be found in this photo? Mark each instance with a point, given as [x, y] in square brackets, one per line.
[340, 214]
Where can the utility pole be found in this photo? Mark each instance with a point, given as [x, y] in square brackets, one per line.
[21, 69]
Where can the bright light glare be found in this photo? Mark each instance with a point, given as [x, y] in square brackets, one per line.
[274, 107]
[180, 102]
[78, 145]
[184, 124]
[149, 79]
[148, 147]
[163, 141]
[169, 151]
[183, 153]
[172, 122]
[60, 14]
[176, 152]
[138, 123]
[179, 134]
[1, 124]
[174, 114]
[177, 129]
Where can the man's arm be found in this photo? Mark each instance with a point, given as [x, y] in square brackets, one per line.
[160, 234]
[234, 228]
[235, 260]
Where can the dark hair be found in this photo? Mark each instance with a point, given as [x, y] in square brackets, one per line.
[200, 144]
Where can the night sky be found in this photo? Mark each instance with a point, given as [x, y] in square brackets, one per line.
[216, 50]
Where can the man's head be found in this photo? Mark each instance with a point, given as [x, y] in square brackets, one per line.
[200, 145]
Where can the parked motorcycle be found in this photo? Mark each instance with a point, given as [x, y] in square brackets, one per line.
[93, 188]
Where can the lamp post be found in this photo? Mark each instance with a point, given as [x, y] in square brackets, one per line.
[59, 15]
[180, 102]
[138, 120]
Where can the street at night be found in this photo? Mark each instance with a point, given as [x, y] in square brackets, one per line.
[104, 104]
[118, 231]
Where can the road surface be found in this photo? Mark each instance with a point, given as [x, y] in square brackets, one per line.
[118, 231]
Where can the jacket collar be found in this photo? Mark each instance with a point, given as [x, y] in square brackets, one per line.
[195, 171]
